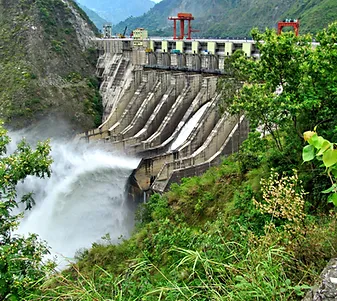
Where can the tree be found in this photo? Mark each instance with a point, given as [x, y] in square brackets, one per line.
[20, 257]
[291, 87]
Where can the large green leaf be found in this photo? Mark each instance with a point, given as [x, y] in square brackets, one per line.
[330, 157]
[316, 141]
[308, 153]
[333, 199]
[325, 146]
[332, 188]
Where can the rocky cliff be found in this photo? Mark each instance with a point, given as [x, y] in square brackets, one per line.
[326, 288]
[47, 63]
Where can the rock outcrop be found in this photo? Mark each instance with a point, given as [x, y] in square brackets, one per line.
[327, 289]
[47, 64]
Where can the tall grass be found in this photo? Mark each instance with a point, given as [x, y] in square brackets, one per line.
[247, 272]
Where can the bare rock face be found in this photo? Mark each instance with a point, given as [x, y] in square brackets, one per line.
[47, 64]
[327, 289]
[84, 31]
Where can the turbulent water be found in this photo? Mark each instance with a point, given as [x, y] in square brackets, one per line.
[82, 201]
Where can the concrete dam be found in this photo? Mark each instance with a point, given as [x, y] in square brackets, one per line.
[163, 107]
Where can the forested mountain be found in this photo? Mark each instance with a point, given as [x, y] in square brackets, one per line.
[46, 63]
[118, 10]
[94, 17]
[234, 18]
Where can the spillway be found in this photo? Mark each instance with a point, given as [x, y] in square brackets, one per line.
[188, 128]
[84, 199]
[156, 94]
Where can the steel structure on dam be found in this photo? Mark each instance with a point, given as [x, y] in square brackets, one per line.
[150, 89]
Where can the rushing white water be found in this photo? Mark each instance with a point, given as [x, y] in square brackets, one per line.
[82, 201]
[188, 128]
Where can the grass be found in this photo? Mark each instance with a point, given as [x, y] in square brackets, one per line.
[178, 252]
[246, 273]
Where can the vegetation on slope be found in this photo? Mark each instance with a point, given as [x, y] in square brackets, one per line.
[314, 15]
[258, 227]
[47, 64]
[118, 10]
[219, 18]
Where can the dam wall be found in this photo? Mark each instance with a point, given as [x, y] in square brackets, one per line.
[163, 107]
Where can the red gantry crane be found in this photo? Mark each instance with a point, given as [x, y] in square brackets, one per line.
[182, 17]
[288, 22]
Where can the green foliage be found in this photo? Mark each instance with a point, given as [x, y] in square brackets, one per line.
[92, 55]
[57, 45]
[74, 77]
[325, 152]
[283, 199]
[240, 252]
[314, 15]
[156, 208]
[213, 270]
[246, 217]
[252, 152]
[93, 106]
[21, 257]
[290, 87]
[278, 68]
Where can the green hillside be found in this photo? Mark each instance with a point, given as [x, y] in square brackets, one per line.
[235, 18]
[314, 15]
[46, 63]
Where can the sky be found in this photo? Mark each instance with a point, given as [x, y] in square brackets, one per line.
[156, 1]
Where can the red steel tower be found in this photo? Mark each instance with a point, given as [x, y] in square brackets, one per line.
[288, 22]
[182, 17]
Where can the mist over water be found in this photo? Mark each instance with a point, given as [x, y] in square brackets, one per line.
[83, 200]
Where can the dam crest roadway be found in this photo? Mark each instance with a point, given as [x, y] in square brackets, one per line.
[150, 89]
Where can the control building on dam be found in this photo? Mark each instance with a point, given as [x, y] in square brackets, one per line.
[161, 104]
